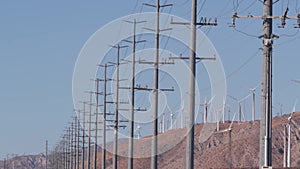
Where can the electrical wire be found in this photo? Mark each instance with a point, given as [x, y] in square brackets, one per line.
[247, 8]
[296, 7]
[201, 7]
[135, 6]
[235, 5]
[184, 3]
[242, 65]
[234, 71]
[290, 35]
[288, 41]
[245, 33]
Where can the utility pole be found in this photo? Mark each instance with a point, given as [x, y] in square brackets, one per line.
[116, 126]
[104, 121]
[65, 155]
[104, 114]
[189, 162]
[155, 83]
[265, 147]
[284, 145]
[70, 148]
[4, 164]
[266, 87]
[75, 142]
[132, 89]
[46, 154]
[83, 137]
[89, 130]
[104, 117]
[96, 125]
[65, 152]
[78, 139]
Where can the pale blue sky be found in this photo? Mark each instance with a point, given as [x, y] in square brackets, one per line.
[40, 41]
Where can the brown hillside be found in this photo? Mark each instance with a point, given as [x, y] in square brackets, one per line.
[214, 152]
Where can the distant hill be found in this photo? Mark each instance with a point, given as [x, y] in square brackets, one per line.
[213, 152]
[25, 162]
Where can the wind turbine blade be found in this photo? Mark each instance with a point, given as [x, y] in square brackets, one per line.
[257, 85]
[294, 109]
[233, 98]
[254, 89]
[211, 100]
[182, 105]
[244, 98]
[169, 108]
[293, 121]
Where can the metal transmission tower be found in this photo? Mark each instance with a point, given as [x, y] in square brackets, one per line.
[156, 63]
[189, 162]
[132, 89]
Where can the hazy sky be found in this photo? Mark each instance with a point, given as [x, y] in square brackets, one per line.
[40, 42]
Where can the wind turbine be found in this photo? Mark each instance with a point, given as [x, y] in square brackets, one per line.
[229, 130]
[205, 108]
[239, 101]
[163, 122]
[281, 108]
[182, 115]
[289, 136]
[223, 110]
[253, 91]
[228, 112]
[160, 126]
[138, 131]
[172, 117]
[284, 145]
